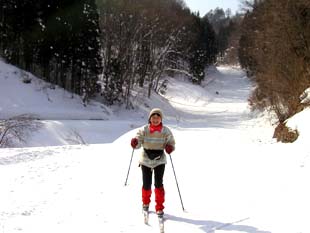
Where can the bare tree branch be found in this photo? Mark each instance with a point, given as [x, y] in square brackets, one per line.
[17, 129]
[75, 138]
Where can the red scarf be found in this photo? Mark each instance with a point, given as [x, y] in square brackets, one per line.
[154, 128]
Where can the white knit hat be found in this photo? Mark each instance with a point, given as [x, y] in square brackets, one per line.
[156, 111]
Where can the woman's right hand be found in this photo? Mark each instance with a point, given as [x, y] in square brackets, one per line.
[134, 143]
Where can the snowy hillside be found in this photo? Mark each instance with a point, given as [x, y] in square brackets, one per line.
[65, 118]
[41, 99]
[233, 176]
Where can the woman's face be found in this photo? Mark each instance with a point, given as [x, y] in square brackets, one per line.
[155, 119]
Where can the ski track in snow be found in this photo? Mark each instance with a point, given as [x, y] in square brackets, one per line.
[233, 177]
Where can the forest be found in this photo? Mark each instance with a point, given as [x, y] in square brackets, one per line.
[105, 49]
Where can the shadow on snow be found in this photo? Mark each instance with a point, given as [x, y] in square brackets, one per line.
[212, 226]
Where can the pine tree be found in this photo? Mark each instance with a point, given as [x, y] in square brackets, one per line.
[203, 50]
[89, 47]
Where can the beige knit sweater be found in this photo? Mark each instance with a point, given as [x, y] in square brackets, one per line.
[154, 141]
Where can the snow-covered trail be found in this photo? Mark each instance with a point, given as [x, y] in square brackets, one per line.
[232, 177]
[220, 108]
[223, 101]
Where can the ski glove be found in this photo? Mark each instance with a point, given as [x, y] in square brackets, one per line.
[134, 143]
[169, 148]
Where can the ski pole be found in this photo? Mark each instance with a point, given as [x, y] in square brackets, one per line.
[129, 167]
[176, 181]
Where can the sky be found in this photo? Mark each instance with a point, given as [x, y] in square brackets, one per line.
[232, 175]
[204, 6]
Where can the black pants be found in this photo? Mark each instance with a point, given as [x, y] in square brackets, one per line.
[147, 176]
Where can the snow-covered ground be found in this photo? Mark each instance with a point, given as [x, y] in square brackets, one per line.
[233, 176]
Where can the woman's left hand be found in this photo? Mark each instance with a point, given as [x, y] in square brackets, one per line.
[168, 148]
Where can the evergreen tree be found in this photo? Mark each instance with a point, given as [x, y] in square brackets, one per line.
[91, 46]
[112, 82]
[223, 25]
[203, 50]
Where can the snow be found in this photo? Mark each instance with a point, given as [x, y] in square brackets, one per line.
[44, 101]
[305, 96]
[232, 175]
[300, 122]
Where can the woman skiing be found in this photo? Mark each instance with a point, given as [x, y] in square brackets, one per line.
[154, 138]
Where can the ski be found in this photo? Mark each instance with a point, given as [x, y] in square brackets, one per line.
[146, 216]
[160, 220]
[161, 223]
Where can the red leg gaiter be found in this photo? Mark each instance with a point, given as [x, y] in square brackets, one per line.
[146, 196]
[159, 198]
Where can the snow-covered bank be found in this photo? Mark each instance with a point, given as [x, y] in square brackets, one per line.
[42, 99]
